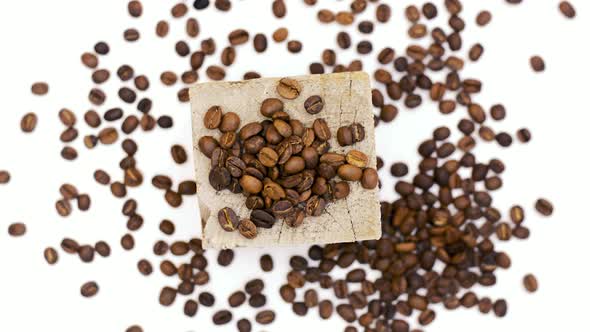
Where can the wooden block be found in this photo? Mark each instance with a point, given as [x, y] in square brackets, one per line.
[347, 98]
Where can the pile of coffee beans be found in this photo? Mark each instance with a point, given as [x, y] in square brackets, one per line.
[440, 234]
[285, 170]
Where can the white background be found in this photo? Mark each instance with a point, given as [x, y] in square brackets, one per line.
[43, 40]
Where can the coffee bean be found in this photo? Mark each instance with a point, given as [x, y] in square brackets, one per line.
[346, 311]
[266, 263]
[190, 308]
[294, 46]
[260, 43]
[167, 296]
[247, 229]
[101, 48]
[222, 317]
[524, 135]
[63, 208]
[89, 289]
[544, 207]
[28, 122]
[86, 253]
[228, 220]
[530, 283]
[127, 242]
[271, 106]
[236, 299]
[206, 299]
[17, 229]
[244, 325]
[289, 88]
[500, 308]
[567, 9]
[262, 219]
[383, 13]
[102, 248]
[83, 202]
[40, 88]
[215, 73]
[131, 35]
[51, 255]
[173, 198]
[162, 29]
[279, 8]
[4, 177]
[265, 317]
[89, 60]
[537, 63]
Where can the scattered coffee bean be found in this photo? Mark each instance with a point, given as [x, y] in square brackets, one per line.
[89, 289]
[544, 207]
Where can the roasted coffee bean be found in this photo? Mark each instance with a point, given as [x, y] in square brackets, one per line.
[131, 35]
[207, 144]
[51, 255]
[188, 187]
[69, 153]
[262, 218]
[215, 73]
[4, 177]
[271, 106]
[500, 308]
[238, 37]
[530, 283]
[101, 48]
[247, 229]
[63, 208]
[236, 299]
[86, 253]
[127, 242]
[17, 229]
[544, 207]
[350, 172]
[144, 267]
[102, 248]
[173, 198]
[537, 63]
[265, 317]
[178, 154]
[89, 60]
[167, 296]
[370, 178]
[69, 246]
[40, 88]
[228, 220]
[314, 104]
[289, 88]
[28, 122]
[567, 9]
[225, 257]
[89, 289]
[260, 42]
[266, 263]
[222, 317]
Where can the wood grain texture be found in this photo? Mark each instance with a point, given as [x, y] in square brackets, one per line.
[347, 98]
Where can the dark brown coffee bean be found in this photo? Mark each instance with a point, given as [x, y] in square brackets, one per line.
[530, 283]
[102, 248]
[567, 9]
[173, 198]
[69, 153]
[314, 104]
[266, 263]
[17, 229]
[265, 317]
[523, 135]
[51, 255]
[244, 325]
[238, 37]
[279, 8]
[262, 219]
[127, 242]
[383, 13]
[4, 177]
[83, 202]
[188, 187]
[28, 122]
[89, 289]
[236, 299]
[229, 122]
[247, 229]
[89, 60]
[537, 63]
[69, 246]
[544, 207]
[228, 220]
[167, 296]
[40, 88]
[228, 56]
[260, 42]
[288, 88]
[222, 317]
[63, 207]
[271, 106]
[294, 46]
[500, 308]
[131, 35]
[215, 73]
